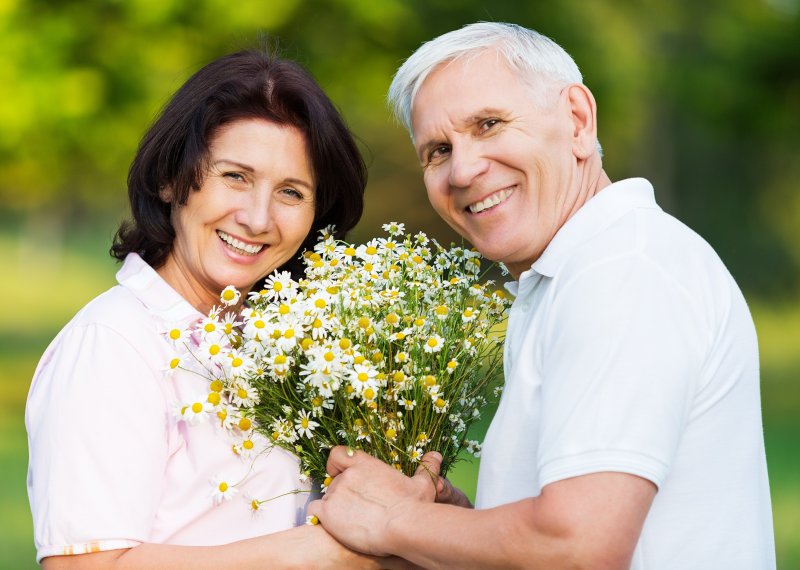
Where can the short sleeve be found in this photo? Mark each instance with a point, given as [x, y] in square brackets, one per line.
[621, 353]
[97, 432]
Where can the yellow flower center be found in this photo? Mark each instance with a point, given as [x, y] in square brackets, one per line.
[433, 342]
[320, 304]
[316, 401]
[247, 444]
[242, 393]
[304, 423]
[175, 334]
[328, 480]
[214, 398]
[392, 318]
[280, 359]
[369, 393]
[439, 403]
[371, 250]
[363, 376]
[216, 385]
[277, 286]
[228, 295]
[289, 333]
[317, 324]
[306, 343]
[452, 364]
[390, 433]
[222, 414]
[223, 486]
[236, 362]
[210, 327]
[429, 380]
[345, 343]
[214, 349]
[197, 407]
[245, 424]
[259, 324]
[349, 251]
[174, 363]
[441, 310]
[284, 309]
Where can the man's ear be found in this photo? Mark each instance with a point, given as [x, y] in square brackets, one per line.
[584, 119]
[166, 193]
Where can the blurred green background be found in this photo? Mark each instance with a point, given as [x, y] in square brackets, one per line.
[703, 98]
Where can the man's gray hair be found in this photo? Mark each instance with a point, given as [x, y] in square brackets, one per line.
[537, 58]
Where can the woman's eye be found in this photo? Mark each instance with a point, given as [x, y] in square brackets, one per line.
[293, 194]
[234, 176]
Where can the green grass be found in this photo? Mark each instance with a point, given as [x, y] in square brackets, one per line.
[42, 292]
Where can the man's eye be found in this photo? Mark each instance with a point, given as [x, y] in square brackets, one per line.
[488, 124]
[438, 152]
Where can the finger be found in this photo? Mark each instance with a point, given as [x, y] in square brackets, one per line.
[340, 458]
[427, 473]
[313, 512]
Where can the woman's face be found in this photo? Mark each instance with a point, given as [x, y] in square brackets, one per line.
[251, 214]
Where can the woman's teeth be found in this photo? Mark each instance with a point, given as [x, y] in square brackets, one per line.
[492, 200]
[239, 246]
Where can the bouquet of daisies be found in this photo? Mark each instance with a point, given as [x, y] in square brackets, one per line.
[391, 347]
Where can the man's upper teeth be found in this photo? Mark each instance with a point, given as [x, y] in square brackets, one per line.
[239, 244]
[492, 200]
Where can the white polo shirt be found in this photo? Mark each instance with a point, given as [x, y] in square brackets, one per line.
[631, 349]
[110, 465]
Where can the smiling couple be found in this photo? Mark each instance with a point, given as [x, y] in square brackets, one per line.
[629, 432]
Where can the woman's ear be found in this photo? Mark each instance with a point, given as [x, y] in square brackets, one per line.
[584, 119]
[166, 193]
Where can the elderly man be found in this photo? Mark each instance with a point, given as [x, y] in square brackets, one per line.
[629, 431]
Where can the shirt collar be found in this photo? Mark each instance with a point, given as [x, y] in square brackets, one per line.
[154, 293]
[598, 213]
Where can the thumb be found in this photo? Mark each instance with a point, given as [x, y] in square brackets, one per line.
[427, 474]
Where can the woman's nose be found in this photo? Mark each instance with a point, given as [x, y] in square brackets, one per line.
[256, 212]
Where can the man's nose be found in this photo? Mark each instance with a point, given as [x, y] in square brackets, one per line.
[466, 164]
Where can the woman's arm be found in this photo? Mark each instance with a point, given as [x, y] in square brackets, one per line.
[307, 547]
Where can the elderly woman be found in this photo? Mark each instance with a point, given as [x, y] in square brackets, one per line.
[245, 164]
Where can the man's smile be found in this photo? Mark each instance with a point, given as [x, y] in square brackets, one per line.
[493, 200]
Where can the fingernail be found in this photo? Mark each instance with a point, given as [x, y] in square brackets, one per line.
[350, 452]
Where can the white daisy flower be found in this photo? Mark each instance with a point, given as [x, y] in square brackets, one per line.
[244, 394]
[222, 489]
[280, 285]
[195, 411]
[394, 228]
[230, 296]
[434, 343]
[305, 425]
[176, 334]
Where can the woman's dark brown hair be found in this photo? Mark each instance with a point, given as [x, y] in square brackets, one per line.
[250, 84]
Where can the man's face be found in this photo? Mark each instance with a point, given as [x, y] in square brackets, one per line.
[498, 164]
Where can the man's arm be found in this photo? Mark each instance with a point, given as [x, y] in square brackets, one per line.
[592, 521]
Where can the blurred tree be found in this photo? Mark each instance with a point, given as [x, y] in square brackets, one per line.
[701, 97]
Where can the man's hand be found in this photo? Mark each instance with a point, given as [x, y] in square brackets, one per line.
[366, 494]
